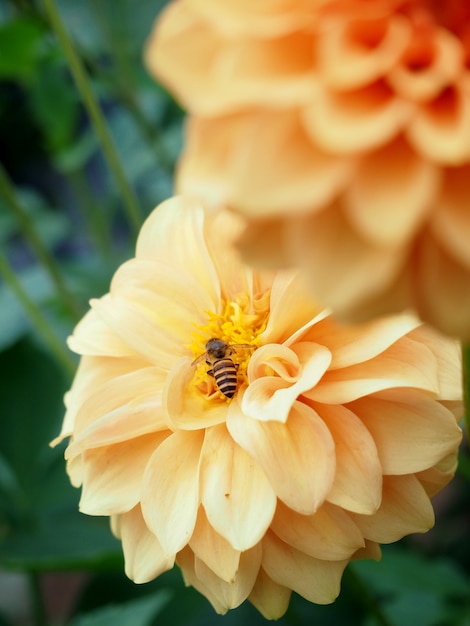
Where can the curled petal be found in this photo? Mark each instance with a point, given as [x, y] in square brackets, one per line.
[170, 490]
[328, 534]
[406, 364]
[358, 479]
[410, 436]
[270, 598]
[236, 495]
[316, 580]
[112, 475]
[185, 407]
[297, 457]
[299, 368]
[405, 509]
[213, 550]
[144, 557]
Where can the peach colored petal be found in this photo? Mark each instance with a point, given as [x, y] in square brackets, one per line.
[349, 121]
[442, 294]
[185, 407]
[235, 493]
[186, 562]
[179, 219]
[170, 490]
[297, 457]
[391, 195]
[357, 483]
[448, 355]
[405, 509]
[441, 131]
[144, 557]
[213, 75]
[316, 580]
[325, 240]
[92, 336]
[435, 478]
[213, 550]
[410, 437]
[354, 344]
[328, 534]
[357, 53]
[76, 470]
[306, 176]
[298, 369]
[370, 551]
[232, 594]
[406, 364]
[450, 220]
[112, 475]
[426, 81]
[270, 598]
[286, 317]
[262, 243]
[119, 410]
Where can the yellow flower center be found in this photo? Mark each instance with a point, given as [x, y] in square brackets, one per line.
[239, 325]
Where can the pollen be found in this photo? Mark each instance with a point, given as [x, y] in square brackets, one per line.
[240, 322]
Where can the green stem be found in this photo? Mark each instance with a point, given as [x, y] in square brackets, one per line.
[37, 599]
[36, 243]
[365, 597]
[37, 317]
[466, 385]
[77, 69]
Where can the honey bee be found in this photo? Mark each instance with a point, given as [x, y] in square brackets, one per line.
[218, 355]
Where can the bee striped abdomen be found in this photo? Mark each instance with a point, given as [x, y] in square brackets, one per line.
[225, 375]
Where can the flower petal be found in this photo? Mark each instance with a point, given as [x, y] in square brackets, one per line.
[410, 436]
[328, 534]
[405, 509]
[112, 475]
[144, 557]
[238, 500]
[179, 219]
[358, 479]
[270, 598]
[213, 550]
[316, 580]
[170, 490]
[303, 444]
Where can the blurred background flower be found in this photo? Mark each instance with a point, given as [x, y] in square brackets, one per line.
[341, 131]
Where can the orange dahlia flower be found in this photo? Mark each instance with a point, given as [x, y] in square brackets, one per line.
[333, 442]
[341, 131]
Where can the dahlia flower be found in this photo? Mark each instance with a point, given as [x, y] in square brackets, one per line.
[340, 130]
[334, 441]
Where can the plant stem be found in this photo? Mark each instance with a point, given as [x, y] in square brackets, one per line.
[365, 597]
[38, 319]
[77, 69]
[45, 257]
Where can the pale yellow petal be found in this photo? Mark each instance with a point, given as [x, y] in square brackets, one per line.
[410, 437]
[316, 580]
[297, 457]
[405, 509]
[143, 555]
[346, 122]
[185, 406]
[213, 550]
[186, 561]
[170, 490]
[391, 195]
[112, 475]
[179, 219]
[298, 369]
[407, 364]
[328, 534]
[270, 598]
[236, 495]
[357, 483]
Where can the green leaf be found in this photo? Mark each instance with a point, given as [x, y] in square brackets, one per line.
[20, 41]
[141, 612]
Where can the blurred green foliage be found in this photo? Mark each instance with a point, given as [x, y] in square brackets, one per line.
[54, 166]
